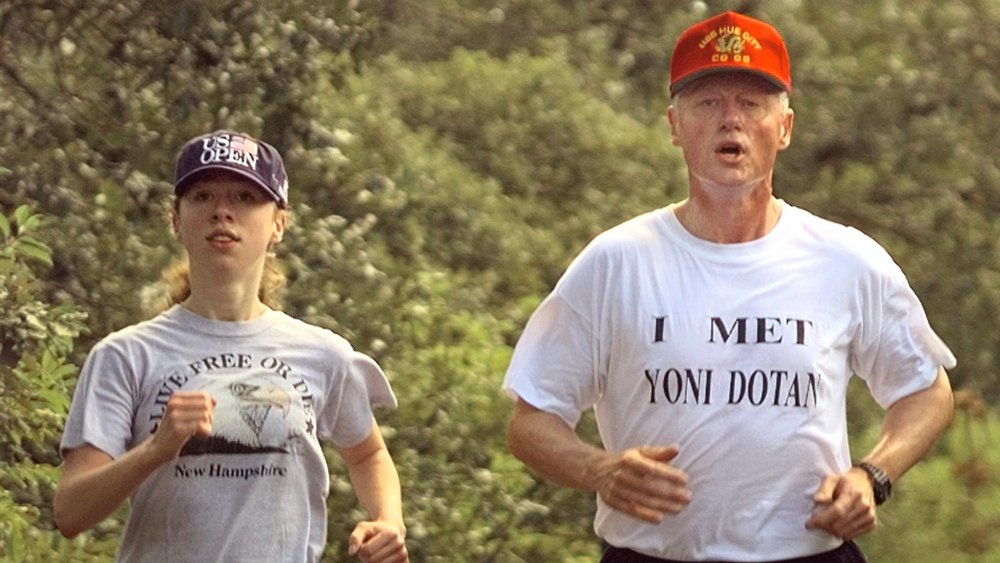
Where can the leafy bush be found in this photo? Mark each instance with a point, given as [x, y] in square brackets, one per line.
[35, 385]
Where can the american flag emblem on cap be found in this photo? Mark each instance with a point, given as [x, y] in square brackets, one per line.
[244, 145]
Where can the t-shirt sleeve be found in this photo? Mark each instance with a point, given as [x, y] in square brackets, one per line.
[103, 403]
[359, 385]
[897, 352]
[555, 363]
[376, 385]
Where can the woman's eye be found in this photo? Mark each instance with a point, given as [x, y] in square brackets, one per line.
[246, 196]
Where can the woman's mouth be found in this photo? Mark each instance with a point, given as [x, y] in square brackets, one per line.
[223, 236]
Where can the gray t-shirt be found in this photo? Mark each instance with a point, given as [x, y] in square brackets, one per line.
[256, 489]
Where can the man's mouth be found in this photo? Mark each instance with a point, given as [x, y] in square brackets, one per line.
[730, 149]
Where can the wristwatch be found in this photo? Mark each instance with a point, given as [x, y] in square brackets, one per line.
[881, 485]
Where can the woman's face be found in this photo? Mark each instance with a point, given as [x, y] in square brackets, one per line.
[227, 222]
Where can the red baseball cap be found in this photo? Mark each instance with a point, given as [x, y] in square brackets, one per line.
[730, 42]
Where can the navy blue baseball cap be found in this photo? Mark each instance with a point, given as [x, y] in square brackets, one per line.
[234, 152]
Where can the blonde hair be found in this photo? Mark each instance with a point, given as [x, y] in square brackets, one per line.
[177, 280]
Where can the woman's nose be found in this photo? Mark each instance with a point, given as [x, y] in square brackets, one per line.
[223, 208]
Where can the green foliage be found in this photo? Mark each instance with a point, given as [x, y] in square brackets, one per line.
[35, 381]
[447, 160]
[555, 149]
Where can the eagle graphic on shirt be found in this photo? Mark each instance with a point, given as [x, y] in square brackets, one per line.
[253, 414]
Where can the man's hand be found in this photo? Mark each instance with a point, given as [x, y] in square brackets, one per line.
[378, 542]
[641, 482]
[845, 505]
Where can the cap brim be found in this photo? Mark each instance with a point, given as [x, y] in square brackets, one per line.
[182, 184]
[687, 80]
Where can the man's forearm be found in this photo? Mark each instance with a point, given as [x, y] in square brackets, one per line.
[546, 444]
[911, 427]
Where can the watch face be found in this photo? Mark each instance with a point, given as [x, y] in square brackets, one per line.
[881, 485]
[881, 493]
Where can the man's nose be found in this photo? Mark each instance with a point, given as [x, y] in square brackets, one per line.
[731, 115]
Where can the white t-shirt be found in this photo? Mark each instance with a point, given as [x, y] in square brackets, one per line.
[738, 353]
[256, 489]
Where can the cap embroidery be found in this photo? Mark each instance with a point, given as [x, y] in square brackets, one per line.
[234, 149]
[283, 190]
[730, 44]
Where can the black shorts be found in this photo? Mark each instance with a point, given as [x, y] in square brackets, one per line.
[848, 552]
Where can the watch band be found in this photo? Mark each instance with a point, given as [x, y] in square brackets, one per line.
[881, 485]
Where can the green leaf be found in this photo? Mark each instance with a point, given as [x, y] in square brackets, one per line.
[32, 241]
[22, 213]
[33, 248]
[56, 401]
[4, 226]
[30, 223]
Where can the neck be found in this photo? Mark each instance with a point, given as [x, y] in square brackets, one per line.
[733, 220]
[235, 300]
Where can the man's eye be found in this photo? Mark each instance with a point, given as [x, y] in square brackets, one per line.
[248, 195]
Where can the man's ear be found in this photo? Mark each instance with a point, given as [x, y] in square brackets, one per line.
[785, 129]
[672, 119]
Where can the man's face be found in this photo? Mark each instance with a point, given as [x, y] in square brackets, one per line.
[730, 126]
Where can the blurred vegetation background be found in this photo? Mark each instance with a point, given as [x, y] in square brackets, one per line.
[447, 160]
